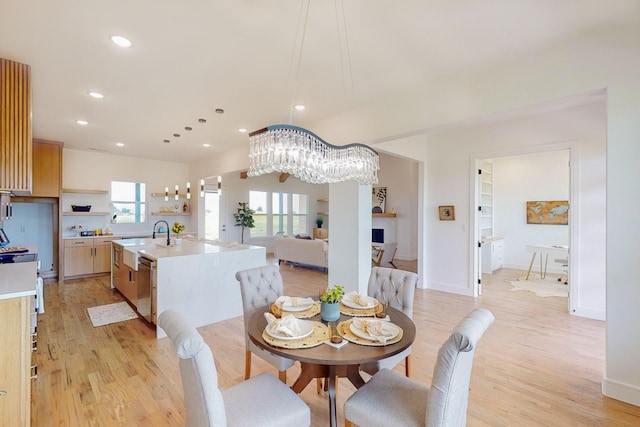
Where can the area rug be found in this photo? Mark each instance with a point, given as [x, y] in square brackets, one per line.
[111, 313]
[542, 288]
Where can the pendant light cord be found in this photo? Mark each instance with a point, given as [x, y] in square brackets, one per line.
[296, 79]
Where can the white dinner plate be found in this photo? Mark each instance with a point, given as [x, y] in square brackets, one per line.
[352, 304]
[293, 308]
[364, 335]
[306, 328]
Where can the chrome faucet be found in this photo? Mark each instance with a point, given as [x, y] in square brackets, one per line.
[154, 231]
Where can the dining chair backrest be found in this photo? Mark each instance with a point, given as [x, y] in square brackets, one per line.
[449, 394]
[203, 399]
[259, 287]
[397, 287]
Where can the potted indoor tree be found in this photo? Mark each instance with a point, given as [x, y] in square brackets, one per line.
[330, 303]
[244, 218]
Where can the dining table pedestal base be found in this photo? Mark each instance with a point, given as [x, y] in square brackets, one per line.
[311, 371]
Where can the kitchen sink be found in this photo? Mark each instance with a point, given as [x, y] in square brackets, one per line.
[130, 255]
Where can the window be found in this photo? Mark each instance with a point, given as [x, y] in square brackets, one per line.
[258, 202]
[279, 213]
[128, 200]
[279, 210]
[299, 207]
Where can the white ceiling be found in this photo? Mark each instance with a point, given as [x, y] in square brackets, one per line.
[190, 57]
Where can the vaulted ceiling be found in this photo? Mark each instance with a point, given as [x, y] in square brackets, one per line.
[255, 60]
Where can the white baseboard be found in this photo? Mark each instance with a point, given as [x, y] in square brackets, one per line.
[621, 391]
[444, 287]
[590, 313]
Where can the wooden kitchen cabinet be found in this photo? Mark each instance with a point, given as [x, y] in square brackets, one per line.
[16, 160]
[86, 256]
[125, 279]
[15, 369]
[47, 168]
[320, 233]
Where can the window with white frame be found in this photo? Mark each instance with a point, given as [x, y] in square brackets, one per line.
[128, 201]
[279, 213]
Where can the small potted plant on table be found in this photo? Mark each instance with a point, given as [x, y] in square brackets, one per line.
[330, 303]
[177, 228]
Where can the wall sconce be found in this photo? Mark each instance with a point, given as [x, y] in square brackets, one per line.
[188, 190]
[166, 194]
[219, 185]
[202, 188]
[177, 193]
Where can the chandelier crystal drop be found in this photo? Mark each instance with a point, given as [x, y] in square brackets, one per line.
[303, 154]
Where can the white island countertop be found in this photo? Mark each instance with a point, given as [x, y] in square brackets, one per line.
[196, 278]
[18, 279]
[157, 248]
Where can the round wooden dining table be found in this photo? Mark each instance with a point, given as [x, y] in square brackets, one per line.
[325, 361]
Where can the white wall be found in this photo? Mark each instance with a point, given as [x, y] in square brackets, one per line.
[516, 180]
[448, 175]
[400, 176]
[95, 171]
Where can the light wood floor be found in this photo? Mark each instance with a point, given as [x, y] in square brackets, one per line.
[535, 366]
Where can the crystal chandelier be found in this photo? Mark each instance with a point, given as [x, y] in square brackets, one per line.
[303, 154]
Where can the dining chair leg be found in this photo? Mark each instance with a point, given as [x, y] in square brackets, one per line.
[283, 376]
[318, 385]
[407, 366]
[247, 364]
[348, 423]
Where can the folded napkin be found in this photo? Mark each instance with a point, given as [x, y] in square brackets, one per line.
[379, 330]
[286, 326]
[361, 300]
[293, 301]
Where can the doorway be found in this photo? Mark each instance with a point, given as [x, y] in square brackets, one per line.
[504, 183]
[212, 208]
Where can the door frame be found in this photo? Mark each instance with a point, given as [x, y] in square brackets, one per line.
[574, 235]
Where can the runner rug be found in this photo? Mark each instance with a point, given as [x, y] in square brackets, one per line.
[111, 313]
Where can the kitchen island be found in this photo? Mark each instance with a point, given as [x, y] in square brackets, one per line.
[196, 278]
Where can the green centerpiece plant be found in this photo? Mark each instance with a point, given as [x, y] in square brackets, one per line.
[330, 303]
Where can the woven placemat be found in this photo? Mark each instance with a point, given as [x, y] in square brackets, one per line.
[277, 311]
[348, 311]
[319, 335]
[345, 332]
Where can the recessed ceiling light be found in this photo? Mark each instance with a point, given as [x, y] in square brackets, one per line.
[206, 145]
[299, 107]
[82, 122]
[188, 128]
[95, 94]
[166, 141]
[121, 41]
[120, 144]
[177, 135]
[219, 111]
[243, 130]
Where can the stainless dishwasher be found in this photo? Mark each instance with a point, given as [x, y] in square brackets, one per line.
[146, 288]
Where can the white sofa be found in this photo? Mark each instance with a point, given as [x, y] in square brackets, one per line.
[303, 251]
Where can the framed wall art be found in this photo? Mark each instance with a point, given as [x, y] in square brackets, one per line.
[447, 213]
[378, 199]
[548, 212]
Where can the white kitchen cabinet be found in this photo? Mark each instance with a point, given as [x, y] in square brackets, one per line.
[492, 255]
[86, 256]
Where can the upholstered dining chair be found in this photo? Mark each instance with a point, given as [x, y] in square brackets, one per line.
[397, 288]
[260, 287]
[392, 399]
[261, 400]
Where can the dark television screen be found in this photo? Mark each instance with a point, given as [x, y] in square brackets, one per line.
[377, 235]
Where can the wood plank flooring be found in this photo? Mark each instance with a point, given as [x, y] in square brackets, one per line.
[535, 366]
